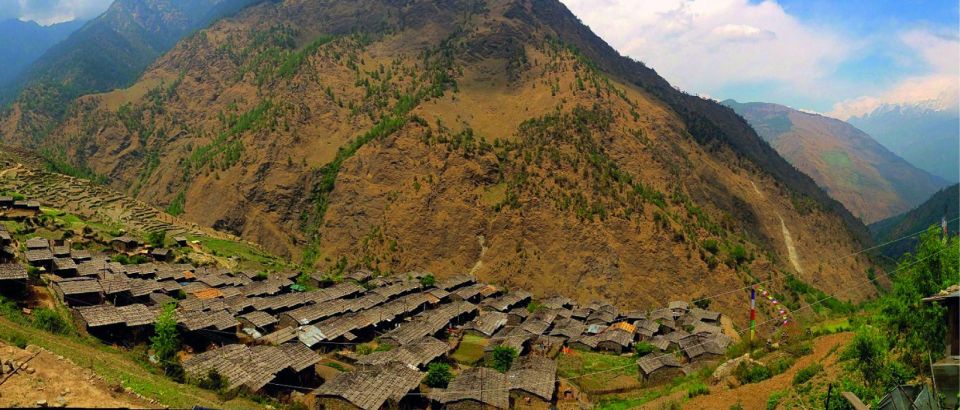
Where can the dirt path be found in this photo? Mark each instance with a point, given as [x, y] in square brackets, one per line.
[483, 250]
[48, 378]
[754, 396]
[112, 368]
[791, 250]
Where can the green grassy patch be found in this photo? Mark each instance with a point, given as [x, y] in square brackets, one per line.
[470, 350]
[254, 258]
[618, 372]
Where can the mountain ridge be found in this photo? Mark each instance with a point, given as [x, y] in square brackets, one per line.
[493, 136]
[870, 180]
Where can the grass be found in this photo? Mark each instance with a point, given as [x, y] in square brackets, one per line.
[245, 252]
[470, 350]
[683, 383]
[119, 367]
[618, 372]
[832, 326]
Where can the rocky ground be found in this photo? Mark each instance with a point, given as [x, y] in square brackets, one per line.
[44, 379]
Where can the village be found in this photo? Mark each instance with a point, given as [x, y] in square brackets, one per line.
[267, 334]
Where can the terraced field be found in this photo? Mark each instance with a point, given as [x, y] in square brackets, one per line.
[23, 172]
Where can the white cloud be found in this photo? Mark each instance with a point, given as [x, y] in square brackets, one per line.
[703, 46]
[48, 12]
[938, 88]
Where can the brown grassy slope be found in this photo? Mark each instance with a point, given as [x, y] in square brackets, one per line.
[605, 194]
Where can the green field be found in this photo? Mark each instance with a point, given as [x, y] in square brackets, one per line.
[470, 350]
[584, 369]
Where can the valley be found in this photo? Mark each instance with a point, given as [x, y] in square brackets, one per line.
[320, 204]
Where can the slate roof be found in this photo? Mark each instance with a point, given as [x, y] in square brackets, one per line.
[454, 282]
[488, 323]
[301, 357]
[508, 301]
[100, 315]
[198, 319]
[415, 354]
[38, 255]
[656, 361]
[12, 271]
[79, 286]
[480, 384]
[253, 367]
[259, 318]
[370, 387]
[37, 243]
[536, 375]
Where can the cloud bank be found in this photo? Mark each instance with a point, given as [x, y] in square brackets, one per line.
[48, 12]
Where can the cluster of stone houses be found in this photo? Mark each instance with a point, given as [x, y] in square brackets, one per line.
[264, 334]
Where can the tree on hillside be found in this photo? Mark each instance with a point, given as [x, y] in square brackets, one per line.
[166, 342]
[913, 326]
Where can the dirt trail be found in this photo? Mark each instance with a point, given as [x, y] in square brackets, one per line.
[791, 250]
[58, 382]
[483, 250]
[754, 396]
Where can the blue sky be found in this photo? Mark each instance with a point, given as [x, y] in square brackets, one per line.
[838, 57]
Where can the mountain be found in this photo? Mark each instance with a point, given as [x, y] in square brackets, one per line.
[110, 51]
[944, 203]
[869, 180]
[926, 134]
[500, 138]
[25, 41]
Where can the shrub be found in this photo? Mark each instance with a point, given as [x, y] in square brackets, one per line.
[748, 373]
[775, 398]
[157, 238]
[166, 341]
[799, 349]
[697, 389]
[18, 340]
[711, 245]
[643, 348]
[503, 358]
[427, 280]
[702, 303]
[807, 373]
[50, 320]
[781, 365]
[214, 381]
[438, 375]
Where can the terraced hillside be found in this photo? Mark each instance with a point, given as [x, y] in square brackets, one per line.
[23, 172]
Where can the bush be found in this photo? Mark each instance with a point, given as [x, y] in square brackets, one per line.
[643, 348]
[18, 340]
[711, 245]
[427, 280]
[807, 373]
[50, 320]
[438, 375]
[748, 373]
[799, 349]
[503, 358]
[781, 365]
[698, 389]
[702, 303]
[214, 381]
[775, 398]
[166, 341]
[157, 238]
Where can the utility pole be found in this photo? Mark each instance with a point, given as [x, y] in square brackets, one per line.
[829, 392]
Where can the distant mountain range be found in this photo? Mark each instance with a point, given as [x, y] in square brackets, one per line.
[25, 41]
[110, 51]
[868, 179]
[944, 203]
[926, 134]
